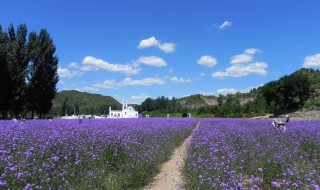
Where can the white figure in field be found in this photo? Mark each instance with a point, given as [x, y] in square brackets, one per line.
[279, 126]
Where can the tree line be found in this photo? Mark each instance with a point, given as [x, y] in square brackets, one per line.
[28, 74]
[287, 94]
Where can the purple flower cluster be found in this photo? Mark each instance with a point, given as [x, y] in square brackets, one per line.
[249, 154]
[96, 154]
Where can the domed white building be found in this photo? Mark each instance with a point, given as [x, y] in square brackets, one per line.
[126, 112]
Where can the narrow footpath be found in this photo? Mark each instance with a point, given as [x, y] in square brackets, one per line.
[170, 177]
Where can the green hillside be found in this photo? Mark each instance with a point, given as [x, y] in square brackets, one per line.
[297, 91]
[74, 102]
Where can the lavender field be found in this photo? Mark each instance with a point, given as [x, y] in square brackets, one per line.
[94, 154]
[248, 154]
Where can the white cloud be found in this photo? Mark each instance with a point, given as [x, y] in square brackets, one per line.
[108, 84]
[87, 88]
[139, 98]
[207, 60]
[152, 41]
[246, 57]
[179, 80]
[252, 51]
[152, 61]
[243, 65]
[66, 73]
[167, 47]
[242, 70]
[73, 65]
[170, 70]
[225, 91]
[312, 61]
[146, 43]
[92, 63]
[241, 58]
[224, 25]
[204, 93]
[202, 74]
[142, 82]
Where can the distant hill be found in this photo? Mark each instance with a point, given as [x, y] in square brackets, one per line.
[297, 91]
[199, 100]
[74, 102]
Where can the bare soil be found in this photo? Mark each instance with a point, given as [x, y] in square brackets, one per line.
[169, 177]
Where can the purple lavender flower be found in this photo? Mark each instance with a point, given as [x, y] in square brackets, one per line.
[55, 158]
[3, 182]
[275, 184]
[295, 185]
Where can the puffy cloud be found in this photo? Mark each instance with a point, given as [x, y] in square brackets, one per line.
[246, 57]
[146, 43]
[152, 61]
[243, 65]
[142, 82]
[207, 60]
[179, 80]
[242, 70]
[241, 58]
[92, 63]
[202, 74]
[224, 91]
[167, 47]
[152, 41]
[312, 61]
[224, 25]
[108, 84]
[252, 51]
[66, 73]
[73, 65]
[139, 98]
[88, 88]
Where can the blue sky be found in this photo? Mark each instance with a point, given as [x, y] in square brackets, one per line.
[135, 49]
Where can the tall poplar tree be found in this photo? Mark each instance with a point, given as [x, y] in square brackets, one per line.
[43, 76]
[17, 65]
[4, 76]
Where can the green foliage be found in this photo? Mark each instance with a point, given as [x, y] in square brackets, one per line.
[5, 77]
[311, 103]
[162, 104]
[290, 92]
[28, 72]
[17, 61]
[298, 90]
[74, 102]
[41, 87]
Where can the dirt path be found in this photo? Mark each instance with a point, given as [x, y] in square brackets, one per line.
[170, 177]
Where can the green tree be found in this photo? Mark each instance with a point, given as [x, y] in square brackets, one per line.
[76, 109]
[43, 72]
[295, 89]
[5, 77]
[147, 105]
[220, 99]
[273, 95]
[17, 61]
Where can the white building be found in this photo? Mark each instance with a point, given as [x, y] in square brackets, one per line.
[126, 112]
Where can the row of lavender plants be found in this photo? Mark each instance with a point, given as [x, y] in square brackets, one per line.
[93, 154]
[249, 154]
